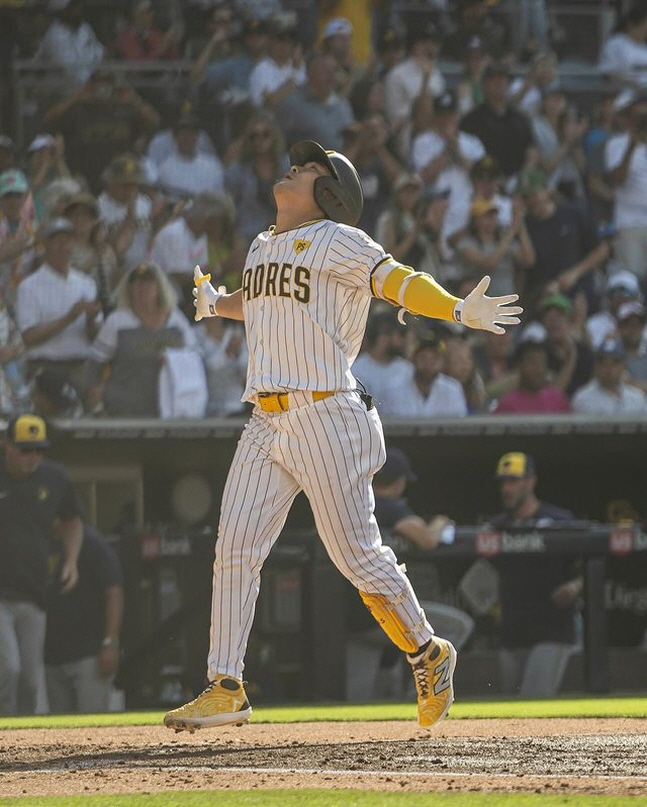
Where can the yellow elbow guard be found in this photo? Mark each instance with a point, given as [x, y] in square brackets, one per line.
[384, 613]
[416, 292]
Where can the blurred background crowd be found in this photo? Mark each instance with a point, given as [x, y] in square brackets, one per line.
[492, 137]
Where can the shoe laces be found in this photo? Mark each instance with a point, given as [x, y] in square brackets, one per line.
[422, 678]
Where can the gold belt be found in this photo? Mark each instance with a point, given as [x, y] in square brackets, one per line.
[280, 401]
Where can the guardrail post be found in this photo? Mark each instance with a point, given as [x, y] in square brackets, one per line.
[596, 651]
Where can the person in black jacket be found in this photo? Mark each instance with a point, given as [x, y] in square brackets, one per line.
[538, 593]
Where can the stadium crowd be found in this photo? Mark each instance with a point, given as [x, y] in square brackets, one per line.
[475, 157]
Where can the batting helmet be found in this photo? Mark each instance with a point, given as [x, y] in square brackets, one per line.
[340, 195]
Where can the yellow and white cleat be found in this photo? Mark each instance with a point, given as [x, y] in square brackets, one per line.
[433, 672]
[222, 703]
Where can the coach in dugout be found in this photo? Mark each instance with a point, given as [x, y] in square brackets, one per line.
[35, 493]
[538, 593]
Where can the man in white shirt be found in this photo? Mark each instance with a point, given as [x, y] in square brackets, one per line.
[188, 171]
[622, 287]
[626, 164]
[443, 156]
[428, 392]
[126, 213]
[281, 71]
[57, 309]
[413, 78]
[380, 367]
[70, 42]
[607, 393]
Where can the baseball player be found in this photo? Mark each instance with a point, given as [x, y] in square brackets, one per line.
[306, 289]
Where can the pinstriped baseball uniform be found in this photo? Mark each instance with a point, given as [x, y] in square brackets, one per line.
[306, 295]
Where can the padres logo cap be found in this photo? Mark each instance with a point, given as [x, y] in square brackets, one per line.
[28, 430]
[515, 465]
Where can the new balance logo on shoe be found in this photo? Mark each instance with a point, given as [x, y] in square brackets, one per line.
[443, 671]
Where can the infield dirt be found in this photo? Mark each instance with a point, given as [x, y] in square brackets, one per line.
[593, 756]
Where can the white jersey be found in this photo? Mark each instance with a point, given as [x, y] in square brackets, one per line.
[306, 297]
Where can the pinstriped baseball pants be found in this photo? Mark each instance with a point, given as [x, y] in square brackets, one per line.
[329, 449]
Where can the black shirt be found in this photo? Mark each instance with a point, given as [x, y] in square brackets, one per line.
[505, 137]
[76, 620]
[28, 509]
[528, 615]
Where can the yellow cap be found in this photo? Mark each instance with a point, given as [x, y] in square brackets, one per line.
[28, 430]
[515, 465]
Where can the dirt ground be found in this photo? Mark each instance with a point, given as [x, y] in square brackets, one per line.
[591, 756]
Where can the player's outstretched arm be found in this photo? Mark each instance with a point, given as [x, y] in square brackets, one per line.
[211, 303]
[419, 293]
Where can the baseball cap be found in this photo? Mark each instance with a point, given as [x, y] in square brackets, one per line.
[480, 206]
[631, 309]
[391, 38]
[13, 181]
[55, 226]
[29, 431]
[432, 340]
[486, 168]
[611, 347]
[446, 102]
[339, 25]
[515, 465]
[624, 99]
[82, 199]
[41, 141]
[397, 464]
[532, 180]
[623, 281]
[559, 301]
[125, 168]
[55, 384]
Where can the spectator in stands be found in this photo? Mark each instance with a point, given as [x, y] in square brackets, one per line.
[461, 365]
[83, 630]
[91, 253]
[70, 43]
[608, 393]
[141, 40]
[538, 592]
[125, 211]
[361, 18]
[262, 160]
[205, 234]
[163, 143]
[336, 41]
[494, 358]
[469, 90]
[570, 360]
[530, 27]
[474, 19]
[57, 309]
[314, 111]
[366, 146]
[188, 171]
[381, 366]
[621, 287]
[632, 336]
[46, 156]
[212, 29]
[38, 494]
[131, 344]
[415, 79]
[623, 58]
[504, 131]
[222, 346]
[489, 249]
[558, 131]
[282, 70]
[428, 391]
[486, 179]
[14, 391]
[390, 49]
[606, 116]
[626, 165]
[16, 234]
[526, 91]
[443, 155]
[567, 247]
[533, 394]
[53, 396]
[7, 153]
[100, 120]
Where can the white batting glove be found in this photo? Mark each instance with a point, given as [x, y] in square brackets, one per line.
[487, 313]
[205, 296]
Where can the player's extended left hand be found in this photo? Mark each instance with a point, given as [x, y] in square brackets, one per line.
[205, 296]
[487, 313]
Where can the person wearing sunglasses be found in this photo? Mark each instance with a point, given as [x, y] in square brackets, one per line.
[35, 495]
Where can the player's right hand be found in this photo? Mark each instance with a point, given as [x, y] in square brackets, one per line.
[205, 296]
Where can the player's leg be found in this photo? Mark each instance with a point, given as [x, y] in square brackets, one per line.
[9, 659]
[333, 448]
[544, 670]
[256, 500]
[30, 624]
